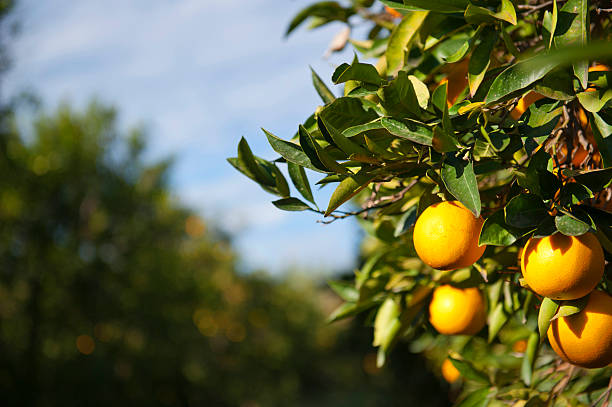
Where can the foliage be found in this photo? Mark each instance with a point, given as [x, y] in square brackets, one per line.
[492, 103]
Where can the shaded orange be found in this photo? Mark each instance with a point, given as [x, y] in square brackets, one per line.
[85, 344]
[449, 371]
[520, 346]
[585, 339]
[524, 103]
[457, 311]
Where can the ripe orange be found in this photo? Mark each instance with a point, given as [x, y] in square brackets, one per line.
[456, 311]
[585, 339]
[446, 236]
[449, 371]
[563, 267]
[524, 104]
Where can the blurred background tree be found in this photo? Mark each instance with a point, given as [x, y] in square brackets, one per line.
[111, 292]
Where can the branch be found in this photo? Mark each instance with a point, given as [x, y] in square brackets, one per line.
[369, 205]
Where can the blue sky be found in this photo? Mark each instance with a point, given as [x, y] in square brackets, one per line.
[198, 74]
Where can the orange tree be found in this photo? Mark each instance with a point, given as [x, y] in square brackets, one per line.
[478, 147]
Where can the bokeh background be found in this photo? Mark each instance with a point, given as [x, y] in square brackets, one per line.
[137, 267]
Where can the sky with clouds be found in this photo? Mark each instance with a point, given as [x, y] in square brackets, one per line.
[198, 74]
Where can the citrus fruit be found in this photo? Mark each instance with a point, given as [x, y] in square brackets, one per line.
[585, 339]
[563, 267]
[520, 346]
[456, 81]
[457, 311]
[449, 371]
[524, 104]
[446, 236]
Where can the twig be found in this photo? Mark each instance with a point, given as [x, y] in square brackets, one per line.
[527, 9]
[605, 394]
[370, 205]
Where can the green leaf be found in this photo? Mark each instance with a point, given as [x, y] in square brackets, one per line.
[507, 12]
[348, 188]
[525, 210]
[326, 10]
[409, 130]
[300, 180]
[571, 307]
[246, 157]
[495, 231]
[438, 99]
[342, 142]
[357, 71]
[348, 309]
[291, 204]
[569, 225]
[346, 112]
[481, 59]
[557, 84]
[497, 320]
[549, 24]
[527, 71]
[317, 155]
[540, 119]
[477, 15]
[595, 101]
[399, 98]
[380, 151]
[573, 193]
[421, 91]
[529, 358]
[444, 141]
[406, 221]
[281, 183]
[595, 180]
[548, 309]
[355, 130]
[326, 95]
[439, 6]
[401, 36]
[460, 180]
[602, 129]
[573, 30]
[468, 371]
[386, 323]
[310, 149]
[458, 55]
[346, 290]
[290, 151]
[477, 398]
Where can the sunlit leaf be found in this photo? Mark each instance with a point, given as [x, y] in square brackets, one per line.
[460, 180]
[401, 37]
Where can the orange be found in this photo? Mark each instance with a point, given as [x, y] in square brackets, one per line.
[520, 346]
[563, 267]
[456, 81]
[599, 68]
[393, 12]
[449, 371]
[524, 104]
[585, 339]
[456, 311]
[446, 236]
